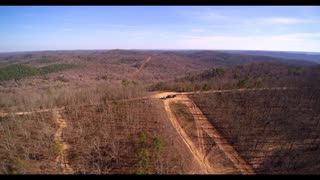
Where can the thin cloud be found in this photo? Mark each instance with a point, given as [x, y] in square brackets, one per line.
[283, 20]
[212, 16]
[289, 20]
[294, 42]
[299, 36]
[206, 15]
[195, 30]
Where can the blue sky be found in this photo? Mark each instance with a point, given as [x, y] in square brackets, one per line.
[28, 28]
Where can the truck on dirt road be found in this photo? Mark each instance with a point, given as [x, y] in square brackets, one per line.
[168, 96]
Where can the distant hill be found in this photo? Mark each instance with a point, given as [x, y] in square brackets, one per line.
[118, 64]
[307, 56]
[236, 58]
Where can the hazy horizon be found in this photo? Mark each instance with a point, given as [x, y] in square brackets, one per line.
[267, 28]
[302, 52]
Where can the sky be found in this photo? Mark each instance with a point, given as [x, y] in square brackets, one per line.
[280, 28]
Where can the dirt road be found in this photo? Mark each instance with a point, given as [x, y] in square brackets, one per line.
[138, 71]
[161, 94]
[193, 149]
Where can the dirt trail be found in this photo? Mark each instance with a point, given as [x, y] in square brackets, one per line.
[158, 95]
[205, 126]
[161, 94]
[24, 113]
[61, 160]
[138, 71]
[3, 114]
